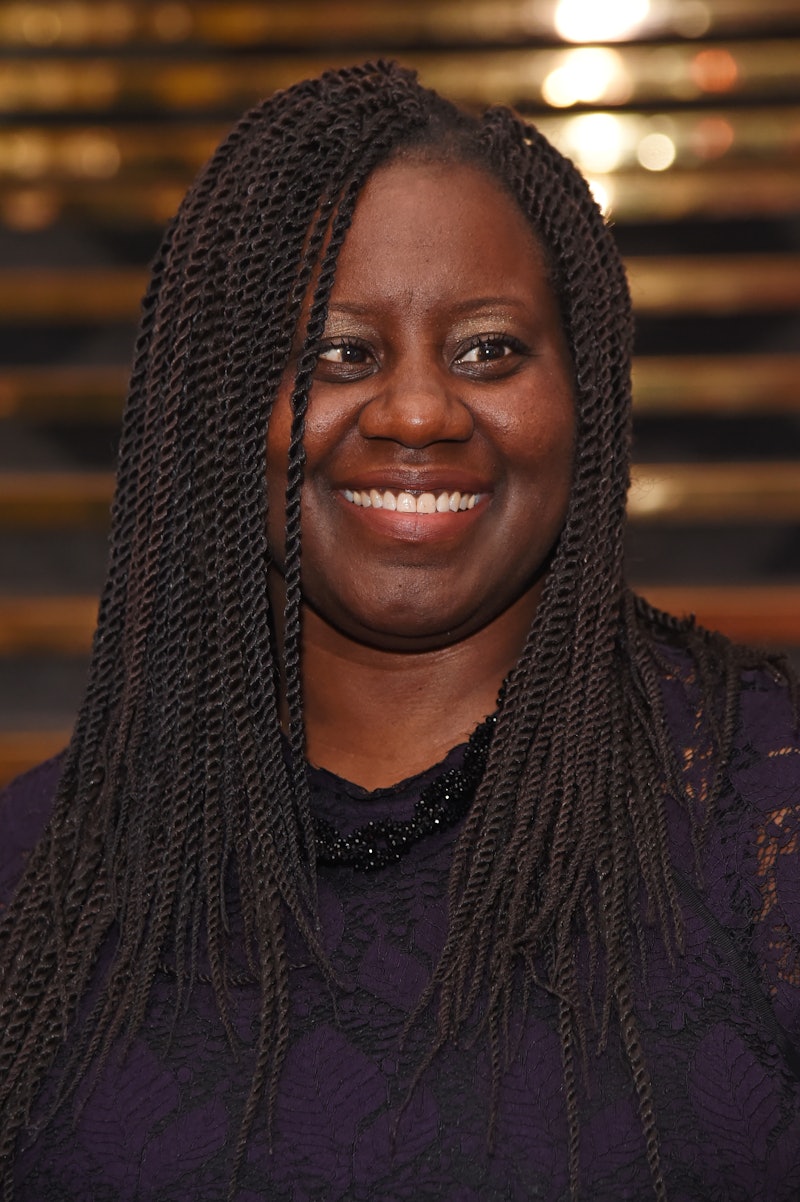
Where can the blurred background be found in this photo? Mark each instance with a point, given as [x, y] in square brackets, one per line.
[685, 116]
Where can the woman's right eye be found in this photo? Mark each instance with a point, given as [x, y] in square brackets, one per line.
[344, 359]
[342, 353]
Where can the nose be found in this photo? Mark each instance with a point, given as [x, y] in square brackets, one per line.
[417, 405]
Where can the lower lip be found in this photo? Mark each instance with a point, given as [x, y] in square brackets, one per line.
[416, 527]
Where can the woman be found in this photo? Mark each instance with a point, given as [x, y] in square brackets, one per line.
[559, 958]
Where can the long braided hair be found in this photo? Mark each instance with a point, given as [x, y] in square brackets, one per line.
[175, 780]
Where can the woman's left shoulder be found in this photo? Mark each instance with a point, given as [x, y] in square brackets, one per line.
[764, 746]
[766, 754]
[753, 850]
[764, 777]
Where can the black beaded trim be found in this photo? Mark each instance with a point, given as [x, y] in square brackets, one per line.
[440, 805]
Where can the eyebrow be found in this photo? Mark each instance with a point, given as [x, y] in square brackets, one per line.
[491, 302]
[466, 306]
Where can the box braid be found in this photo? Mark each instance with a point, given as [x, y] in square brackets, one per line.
[176, 781]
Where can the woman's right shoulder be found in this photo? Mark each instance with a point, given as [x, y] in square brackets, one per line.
[25, 807]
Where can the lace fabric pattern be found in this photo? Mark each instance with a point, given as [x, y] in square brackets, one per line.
[718, 1031]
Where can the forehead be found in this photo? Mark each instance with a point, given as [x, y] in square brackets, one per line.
[421, 228]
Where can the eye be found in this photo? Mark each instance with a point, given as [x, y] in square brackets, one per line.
[344, 359]
[488, 351]
[342, 352]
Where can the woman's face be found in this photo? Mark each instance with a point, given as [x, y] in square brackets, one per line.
[440, 429]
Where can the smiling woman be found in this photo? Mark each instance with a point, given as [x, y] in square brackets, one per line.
[438, 462]
[399, 850]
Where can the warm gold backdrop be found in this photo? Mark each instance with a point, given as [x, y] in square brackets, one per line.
[685, 115]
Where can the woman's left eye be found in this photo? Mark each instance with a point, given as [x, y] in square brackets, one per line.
[490, 350]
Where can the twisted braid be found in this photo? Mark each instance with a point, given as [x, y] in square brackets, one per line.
[175, 783]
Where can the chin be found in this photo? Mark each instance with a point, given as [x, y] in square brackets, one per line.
[410, 631]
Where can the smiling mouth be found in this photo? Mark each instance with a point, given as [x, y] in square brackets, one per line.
[409, 502]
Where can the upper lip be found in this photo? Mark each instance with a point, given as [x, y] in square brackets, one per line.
[416, 480]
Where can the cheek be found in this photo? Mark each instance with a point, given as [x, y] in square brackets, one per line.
[548, 469]
[562, 447]
[546, 440]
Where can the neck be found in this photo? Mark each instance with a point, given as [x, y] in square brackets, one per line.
[375, 716]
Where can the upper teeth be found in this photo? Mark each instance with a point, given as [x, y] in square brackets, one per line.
[409, 502]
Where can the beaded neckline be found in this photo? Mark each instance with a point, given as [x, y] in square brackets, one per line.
[439, 806]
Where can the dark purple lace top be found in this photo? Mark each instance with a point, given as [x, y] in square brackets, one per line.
[721, 1032]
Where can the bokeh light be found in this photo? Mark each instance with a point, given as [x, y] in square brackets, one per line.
[714, 70]
[590, 75]
[599, 20]
[712, 137]
[656, 152]
[595, 141]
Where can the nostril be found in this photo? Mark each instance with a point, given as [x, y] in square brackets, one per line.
[416, 417]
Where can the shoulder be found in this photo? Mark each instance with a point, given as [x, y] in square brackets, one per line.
[767, 752]
[753, 699]
[751, 847]
[25, 807]
[734, 731]
[764, 779]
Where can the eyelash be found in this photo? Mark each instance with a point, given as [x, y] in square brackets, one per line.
[507, 340]
[347, 342]
[344, 343]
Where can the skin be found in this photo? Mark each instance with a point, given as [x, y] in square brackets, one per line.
[443, 366]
